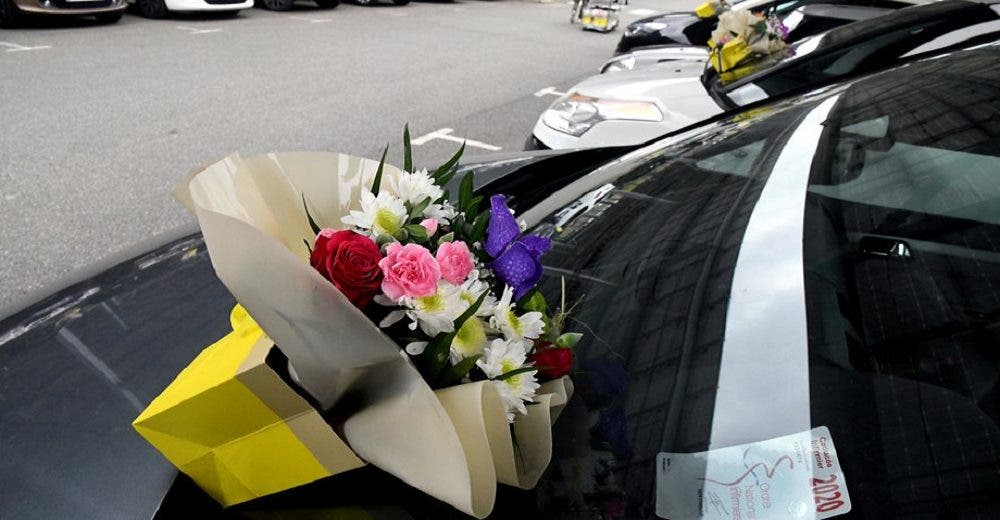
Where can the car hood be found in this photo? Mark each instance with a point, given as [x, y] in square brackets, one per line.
[79, 365]
[675, 86]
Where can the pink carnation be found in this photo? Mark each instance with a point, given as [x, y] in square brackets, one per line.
[409, 270]
[430, 225]
[455, 261]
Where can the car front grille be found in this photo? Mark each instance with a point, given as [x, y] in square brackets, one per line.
[95, 4]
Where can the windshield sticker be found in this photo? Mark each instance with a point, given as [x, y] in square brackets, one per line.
[795, 476]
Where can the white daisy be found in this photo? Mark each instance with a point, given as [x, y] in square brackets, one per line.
[472, 289]
[469, 341]
[443, 213]
[414, 187]
[381, 215]
[434, 314]
[515, 328]
[505, 356]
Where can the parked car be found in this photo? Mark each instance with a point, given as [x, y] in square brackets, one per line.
[827, 262]
[631, 107]
[160, 8]
[105, 11]
[804, 21]
[376, 2]
[284, 5]
[686, 28]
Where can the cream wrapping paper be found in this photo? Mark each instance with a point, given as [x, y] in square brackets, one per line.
[454, 444]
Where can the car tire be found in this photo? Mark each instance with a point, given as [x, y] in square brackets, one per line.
[152, 8]
[277, 5]
[328, 4]
[9, 14]
[109, 18]
[400, 2]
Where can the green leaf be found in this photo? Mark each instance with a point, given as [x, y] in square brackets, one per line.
[309, 247]
[474, 205]
[450, 237]
[447, 166]
[435, 356]
[446, 178]
[407, 149]
[455, 373]
[512, 373]
[416, 232]
[465, 192]
[533, 301]
[478, 232]
[312, 223]
[384, 239]
[378, 174]
[419, 208]
[568, 340]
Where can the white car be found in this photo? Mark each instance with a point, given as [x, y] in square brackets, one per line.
[634, 106]
[160, 8]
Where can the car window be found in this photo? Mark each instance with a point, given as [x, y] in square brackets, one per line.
[902, 263]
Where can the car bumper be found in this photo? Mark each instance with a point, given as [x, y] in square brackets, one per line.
[63, 7]
[211, 5]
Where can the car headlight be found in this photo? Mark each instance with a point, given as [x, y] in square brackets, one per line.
[575, 113]
[626, 63]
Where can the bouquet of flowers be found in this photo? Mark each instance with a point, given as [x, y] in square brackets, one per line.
[744, 38]
[452, 283]
[412, 321]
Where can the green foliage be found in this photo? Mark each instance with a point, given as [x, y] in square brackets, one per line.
[378, 174]
[416, 232]
[454, 374]
[312, 223]
[446, 171]
[407, 149]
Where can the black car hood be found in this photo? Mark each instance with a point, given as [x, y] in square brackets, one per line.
[79, 365]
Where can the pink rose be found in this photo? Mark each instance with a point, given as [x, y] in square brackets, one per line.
[455, 261]
[430, 225]
[409, 270]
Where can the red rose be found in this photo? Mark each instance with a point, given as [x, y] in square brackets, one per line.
[350, 261]
[552, 361]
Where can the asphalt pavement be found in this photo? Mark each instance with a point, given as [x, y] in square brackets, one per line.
[100, 122]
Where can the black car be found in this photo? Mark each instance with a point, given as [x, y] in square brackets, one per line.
[830, 262]
[689, 29]
[860, 48]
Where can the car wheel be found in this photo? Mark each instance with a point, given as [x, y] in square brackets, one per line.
[277, 5]
[328, 4]
[152, 8]
[109, 18]
[9, 15]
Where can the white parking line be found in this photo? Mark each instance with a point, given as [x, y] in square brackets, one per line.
[445, 133]
[192, 30]
[549, 91]
[641, 12]
[311, 20]
[13, 47]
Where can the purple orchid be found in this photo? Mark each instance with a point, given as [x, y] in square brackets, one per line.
[516, 257]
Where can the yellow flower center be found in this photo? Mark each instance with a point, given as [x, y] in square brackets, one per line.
[514, 322]
[386, 221]
[470, 338]
[432, 303]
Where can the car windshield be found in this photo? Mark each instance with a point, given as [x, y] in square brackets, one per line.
[840, 53]
[832, 265]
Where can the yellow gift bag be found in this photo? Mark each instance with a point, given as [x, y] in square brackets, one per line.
[705, 10]
[234, 426]
[729, 55]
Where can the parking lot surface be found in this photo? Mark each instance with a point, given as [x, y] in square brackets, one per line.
[101, 121]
